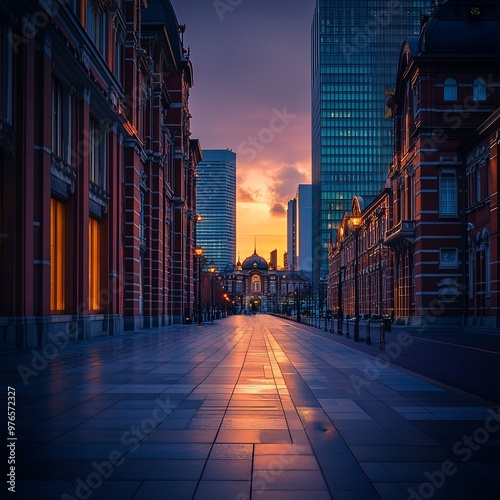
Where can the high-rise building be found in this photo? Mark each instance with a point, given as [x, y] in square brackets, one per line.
[216, 203]
[304, 228]
[291, 232]
[355, 50]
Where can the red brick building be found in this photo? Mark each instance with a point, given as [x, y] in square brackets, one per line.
[97, 169]
[375, 273]
[443, 226]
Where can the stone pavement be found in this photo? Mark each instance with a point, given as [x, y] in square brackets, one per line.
[249, 407]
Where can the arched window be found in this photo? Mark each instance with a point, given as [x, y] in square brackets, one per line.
[255, 283]
[450, 89]
[479, 90]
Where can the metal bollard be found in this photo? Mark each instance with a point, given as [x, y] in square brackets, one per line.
[347, 329]
[368, 336]
[382, 335]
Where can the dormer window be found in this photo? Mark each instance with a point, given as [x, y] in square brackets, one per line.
[450, 89]
[479, 90]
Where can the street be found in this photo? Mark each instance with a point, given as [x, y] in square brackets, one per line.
[249, 407]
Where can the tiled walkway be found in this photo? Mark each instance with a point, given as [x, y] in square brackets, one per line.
[250, 407]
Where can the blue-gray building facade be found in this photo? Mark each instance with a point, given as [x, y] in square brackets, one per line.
[304, 228]
[355, 51]
[216, 204]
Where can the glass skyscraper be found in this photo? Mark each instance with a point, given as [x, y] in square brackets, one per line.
[355, 50]
[216, 203]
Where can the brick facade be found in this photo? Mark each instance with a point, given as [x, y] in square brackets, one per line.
[97, 169]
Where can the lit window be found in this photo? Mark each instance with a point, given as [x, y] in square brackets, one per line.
[450, 89]
[479, 90]
[448, 194]
[57, 254]
[255, 283]
[94, 265]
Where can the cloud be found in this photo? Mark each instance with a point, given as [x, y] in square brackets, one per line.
[278, 210]
[247, 195]
[286, 182]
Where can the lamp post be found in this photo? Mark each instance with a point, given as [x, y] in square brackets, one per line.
[356, 222]
[212, 270]
[340, 307]
[199, 253]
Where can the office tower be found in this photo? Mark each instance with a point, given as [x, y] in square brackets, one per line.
[303, 228]
[291, 224]
[216, 204]
[273, 259]
[355, 50]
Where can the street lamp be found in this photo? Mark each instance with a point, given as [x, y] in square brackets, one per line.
[198, 251]
[356, 222]
[340, 318]
[212, 270]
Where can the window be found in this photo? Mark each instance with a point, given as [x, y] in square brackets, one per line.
[450, 89]
[96, 25]
[416, 100]
[97, 154]
[479, 90]
[478, 185]
[448, 194]
[94, 265]
[255, 283]
[57, 254]
[487, 265]
[61, 122]
[6, 71]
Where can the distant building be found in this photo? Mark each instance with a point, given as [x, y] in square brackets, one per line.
[216, 204]
[304, 228]
[355, 48]
[257, 286]
[273, 260]
[291, 234]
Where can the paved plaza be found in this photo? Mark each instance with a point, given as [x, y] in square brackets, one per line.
[250, 407]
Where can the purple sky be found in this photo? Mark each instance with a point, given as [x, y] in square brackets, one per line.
[251, 61]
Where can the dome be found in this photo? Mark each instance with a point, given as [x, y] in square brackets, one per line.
[255, 262]
[462, 27]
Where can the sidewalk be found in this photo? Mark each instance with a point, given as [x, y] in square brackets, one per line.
[249, 407]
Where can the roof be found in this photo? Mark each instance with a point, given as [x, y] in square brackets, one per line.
[255, 262]
[462, 27]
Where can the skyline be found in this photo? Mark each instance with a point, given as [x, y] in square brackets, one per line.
[262, 105]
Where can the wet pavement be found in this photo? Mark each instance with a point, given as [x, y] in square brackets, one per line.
[251, 407]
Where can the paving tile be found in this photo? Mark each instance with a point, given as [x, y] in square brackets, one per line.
[165, 490]
[222, 490]
[288, 480]
[231, 451]
[227, 470]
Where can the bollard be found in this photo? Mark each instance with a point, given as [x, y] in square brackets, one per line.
[347, 329]
[339, 326]
[326, 323]
[368, 336]
[382, 335]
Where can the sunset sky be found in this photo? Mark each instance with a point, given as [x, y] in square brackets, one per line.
[251, 94]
